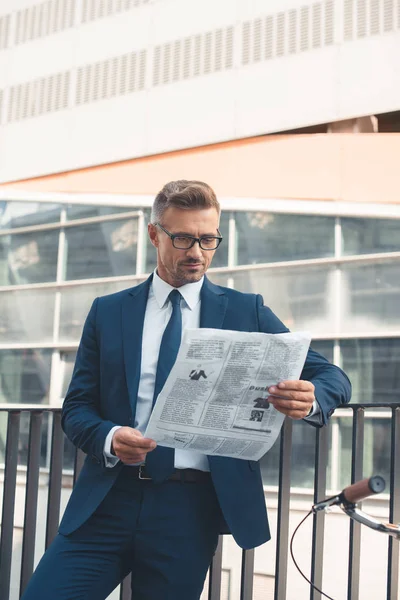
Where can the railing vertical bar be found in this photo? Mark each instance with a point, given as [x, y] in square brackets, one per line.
[7, 516]
[78, 464]
[357, 450]
[321, 462]
[55, 478]
[246, 582]
[125, 590]
[394, 506]
[282, 541]
[215, 573]
[31, 499]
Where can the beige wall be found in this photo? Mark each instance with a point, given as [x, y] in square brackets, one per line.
[342, 166]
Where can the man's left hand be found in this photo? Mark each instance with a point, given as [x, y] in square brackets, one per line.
[293, 398]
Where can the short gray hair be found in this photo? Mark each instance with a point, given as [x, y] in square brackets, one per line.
[186, 195]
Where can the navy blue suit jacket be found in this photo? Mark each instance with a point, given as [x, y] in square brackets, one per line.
[104, 387]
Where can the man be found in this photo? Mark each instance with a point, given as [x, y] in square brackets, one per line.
[145, 509]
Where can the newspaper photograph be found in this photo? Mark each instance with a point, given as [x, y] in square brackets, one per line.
[215, 398]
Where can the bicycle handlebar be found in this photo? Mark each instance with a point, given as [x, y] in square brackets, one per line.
[363, 489]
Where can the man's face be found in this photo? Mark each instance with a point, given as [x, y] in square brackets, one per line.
[178, 267]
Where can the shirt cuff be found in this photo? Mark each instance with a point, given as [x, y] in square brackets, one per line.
[110, 459]
[314, 415]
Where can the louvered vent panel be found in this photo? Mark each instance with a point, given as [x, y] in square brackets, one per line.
[197, 55]
[292, 41]
[115, 76]
[79, 86]
[156, 65]
[388, 15]
[142, 70]
[246, 36]
[166, 63]
[207, 52]
[316, 25]
[287, 33]
[329, 22]
[304, 28]
[41, 20]
[280, 34]
[348, 20]
[123, 81]
[218, 50]
[257, 40]
[11, 105]
[269, 37]
[361, 18]
[40, 96]
[99, 9]
[375, 17]
[87, 86]
[4, 31]
[85, 11]
[229, 47]
[176, 74]
[187, 57]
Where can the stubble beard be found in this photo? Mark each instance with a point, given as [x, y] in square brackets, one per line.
[182, 276]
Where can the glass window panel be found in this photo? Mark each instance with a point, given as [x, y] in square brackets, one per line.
[101, 249]
[45, 443]
[376, 459]
[303, 455]
[303, 458]
[27, 316]
[220, 257]
[76, 302]
[367, 236]
[29, 257]
[377, 434]
[324, 347]
[301, 297]
[68, 362]
[373, 368]
[269, 465]
[370, 297]
[84, 211]
[23, 214]
[25, 376]
[150, 252]
[267, 237]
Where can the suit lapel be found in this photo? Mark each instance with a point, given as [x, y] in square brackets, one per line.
[133, 311]
[213, 305]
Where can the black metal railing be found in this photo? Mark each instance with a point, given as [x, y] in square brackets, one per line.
[55, 468]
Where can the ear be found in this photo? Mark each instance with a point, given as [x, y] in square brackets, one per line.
[153, 234]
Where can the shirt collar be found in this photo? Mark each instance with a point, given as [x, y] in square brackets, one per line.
[189, 291]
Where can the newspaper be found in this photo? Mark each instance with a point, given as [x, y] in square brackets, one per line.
[215, 398]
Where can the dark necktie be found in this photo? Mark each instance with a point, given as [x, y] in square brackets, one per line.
[160, 462]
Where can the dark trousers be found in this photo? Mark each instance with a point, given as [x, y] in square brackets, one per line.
[165, 534]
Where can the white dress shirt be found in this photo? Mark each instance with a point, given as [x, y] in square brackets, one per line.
[157, 315]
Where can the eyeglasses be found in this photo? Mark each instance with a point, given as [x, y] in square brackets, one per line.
[184, 242]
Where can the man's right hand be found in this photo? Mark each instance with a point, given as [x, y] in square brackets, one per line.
[130, 446]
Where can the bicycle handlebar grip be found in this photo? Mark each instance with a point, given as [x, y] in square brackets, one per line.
[362, 489]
